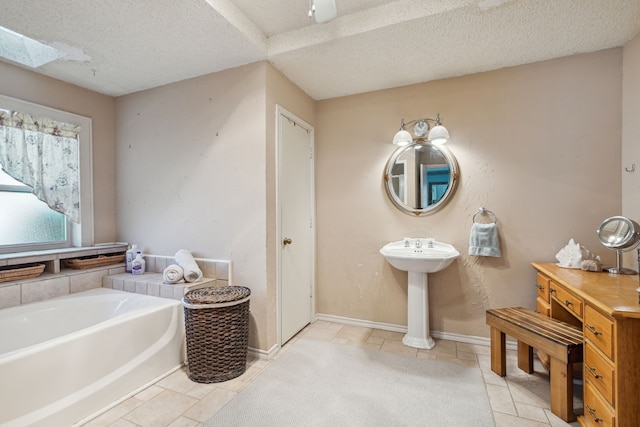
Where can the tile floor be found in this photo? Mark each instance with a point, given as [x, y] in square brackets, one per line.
[517, 400]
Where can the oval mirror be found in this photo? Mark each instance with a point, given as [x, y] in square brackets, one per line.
[421, 177]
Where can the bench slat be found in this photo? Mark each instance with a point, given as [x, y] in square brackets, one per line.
[554, 329]
[558, 339]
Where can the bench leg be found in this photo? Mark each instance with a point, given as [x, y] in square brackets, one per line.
[525, 357]
[562, 389]
[498, 348]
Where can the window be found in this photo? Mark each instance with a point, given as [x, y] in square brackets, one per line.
[26, 223]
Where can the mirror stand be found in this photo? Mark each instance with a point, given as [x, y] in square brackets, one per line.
[618, 269]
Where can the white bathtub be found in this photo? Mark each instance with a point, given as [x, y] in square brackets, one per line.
[65, 359]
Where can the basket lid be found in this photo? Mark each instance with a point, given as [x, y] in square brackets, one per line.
[216, 295]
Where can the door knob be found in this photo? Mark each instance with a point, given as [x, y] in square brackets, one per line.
[286, 241]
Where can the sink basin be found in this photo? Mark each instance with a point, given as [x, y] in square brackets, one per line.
[419, 257]
[431, 256]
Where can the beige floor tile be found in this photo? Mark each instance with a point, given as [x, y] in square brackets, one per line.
[468, 355]
[531, 412]
[185, 422]
[457, 361]
[210, 404]
[442, 348]
[558, 422]
[238, 383]
[375, 340]
[506, 420]
[200, 390]
[149, 393]
[387, 335]
[473, 348]
[397, 347]
[115, 413]
[493, 378]
[122, 423]
[367, 345]
[341, 341]
[500, 399]
[529, 392]
[177, 381]
[354, 333]
[162, 410]
[425, 355]
[320, 333]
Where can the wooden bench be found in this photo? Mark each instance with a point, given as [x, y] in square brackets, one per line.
[561, 341]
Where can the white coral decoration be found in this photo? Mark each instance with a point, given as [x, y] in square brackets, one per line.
[572, 255]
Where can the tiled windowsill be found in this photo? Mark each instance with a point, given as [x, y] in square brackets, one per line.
[52, 257]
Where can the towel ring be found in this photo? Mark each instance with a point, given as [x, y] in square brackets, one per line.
[484, 211]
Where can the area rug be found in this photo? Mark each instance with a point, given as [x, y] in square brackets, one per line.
[317, 383]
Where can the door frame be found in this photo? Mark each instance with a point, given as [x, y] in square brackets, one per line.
[287, 115]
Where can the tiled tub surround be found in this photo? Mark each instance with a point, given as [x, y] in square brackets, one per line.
[57, 281]
[52, 354]
[215, 272]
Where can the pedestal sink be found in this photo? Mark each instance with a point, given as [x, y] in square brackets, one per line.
[419, 257]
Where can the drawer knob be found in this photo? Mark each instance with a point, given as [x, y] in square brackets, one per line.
[592, 329]
[592, 412]
[540, 287]
[592, 371]
[567, 303]
[552, 290]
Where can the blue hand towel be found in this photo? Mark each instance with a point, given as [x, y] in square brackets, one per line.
[483, 240]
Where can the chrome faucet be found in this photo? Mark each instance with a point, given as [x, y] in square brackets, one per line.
[418, 243]
[430, 242]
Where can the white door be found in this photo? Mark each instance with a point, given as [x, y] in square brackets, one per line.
[296, 223]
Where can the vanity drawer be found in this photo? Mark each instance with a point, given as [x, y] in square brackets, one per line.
[599, 329]
[542, 283]
[600, 372]
[597, 412]
[571, 302]
[543, 307]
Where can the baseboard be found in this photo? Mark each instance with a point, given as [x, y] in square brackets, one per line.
[468, 339]
[263, 354]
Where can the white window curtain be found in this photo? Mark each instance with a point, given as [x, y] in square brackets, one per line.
[43, 154]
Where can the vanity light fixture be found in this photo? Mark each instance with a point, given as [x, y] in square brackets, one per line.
[437, 135]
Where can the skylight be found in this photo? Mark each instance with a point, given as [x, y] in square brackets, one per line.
[23, 50]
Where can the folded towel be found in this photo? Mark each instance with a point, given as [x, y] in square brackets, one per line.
[173, 274]
[483, 240]
[192, 272]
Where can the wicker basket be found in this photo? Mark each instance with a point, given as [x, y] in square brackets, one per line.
[217, 329]
[25, 271]
[93, 261]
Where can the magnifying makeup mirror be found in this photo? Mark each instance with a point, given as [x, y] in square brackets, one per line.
[619, 234]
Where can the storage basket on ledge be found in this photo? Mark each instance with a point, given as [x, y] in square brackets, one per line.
[217, 330]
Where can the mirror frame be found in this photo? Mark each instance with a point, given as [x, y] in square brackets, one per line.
[453, 179]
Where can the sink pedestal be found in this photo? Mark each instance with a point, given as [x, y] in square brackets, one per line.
[418, 313]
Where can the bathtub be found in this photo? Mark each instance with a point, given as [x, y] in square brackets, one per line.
[65, 359]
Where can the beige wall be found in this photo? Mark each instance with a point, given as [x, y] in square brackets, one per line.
[195, 170]
[631, 138]
[536, 144]
[29, 86]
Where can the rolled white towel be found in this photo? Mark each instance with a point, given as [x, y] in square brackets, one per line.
[192, 272]
[173, 274]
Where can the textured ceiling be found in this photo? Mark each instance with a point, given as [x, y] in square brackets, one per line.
[122, 46]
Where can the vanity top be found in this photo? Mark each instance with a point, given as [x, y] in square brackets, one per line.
[614, 294]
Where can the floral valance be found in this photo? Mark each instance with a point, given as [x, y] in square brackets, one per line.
[43, 154]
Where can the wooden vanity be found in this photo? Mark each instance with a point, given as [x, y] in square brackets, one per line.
[606, 306]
